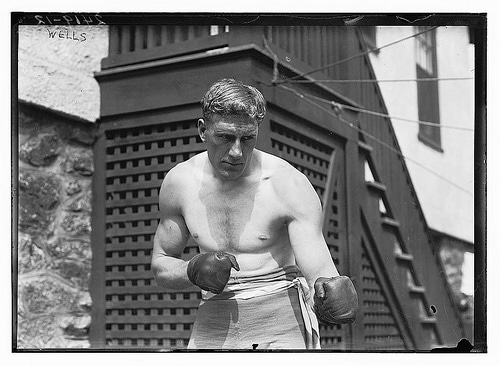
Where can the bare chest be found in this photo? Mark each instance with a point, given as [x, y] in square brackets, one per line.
[246, 220]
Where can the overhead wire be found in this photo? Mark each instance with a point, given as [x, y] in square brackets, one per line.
[353, 56]
[275, 81]
[382, 143]
[278, 83]
[378, 114]
[347, 81]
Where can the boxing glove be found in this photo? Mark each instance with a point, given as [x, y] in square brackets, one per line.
[210, 271]
[335, 300]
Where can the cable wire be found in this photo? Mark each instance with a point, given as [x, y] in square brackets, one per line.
[378, 114]
[382, 143]
[275, 81]
[346, 81]
[354, 56]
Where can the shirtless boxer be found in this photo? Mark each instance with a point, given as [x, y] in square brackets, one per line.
[257, 222]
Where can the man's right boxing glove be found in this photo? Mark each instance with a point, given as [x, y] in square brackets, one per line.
[335, 300]
[210, 271]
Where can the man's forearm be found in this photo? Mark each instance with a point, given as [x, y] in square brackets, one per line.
[170, 272]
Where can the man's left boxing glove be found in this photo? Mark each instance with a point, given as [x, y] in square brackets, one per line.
[210, 271]
[335, 300]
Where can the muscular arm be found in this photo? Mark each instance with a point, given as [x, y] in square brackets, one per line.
[305, 228]
[169, 269]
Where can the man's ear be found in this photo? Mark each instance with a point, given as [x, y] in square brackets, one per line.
[202, 129]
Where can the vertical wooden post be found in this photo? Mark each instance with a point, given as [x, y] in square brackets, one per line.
[97, 334]
[245, 35]
[353, 174]
[139, 38]
[328, 190]
[114, 46]
[151, 35]
[125, 38]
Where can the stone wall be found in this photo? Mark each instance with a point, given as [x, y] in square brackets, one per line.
[54, 226]
[59, 101]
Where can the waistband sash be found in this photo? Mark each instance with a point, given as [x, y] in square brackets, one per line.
[244, 288]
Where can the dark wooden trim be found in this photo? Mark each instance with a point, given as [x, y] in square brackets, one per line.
[329, 187]
[353, 177]
[231, 51]
[364, 148]
[165, 51]
[98, 235]
[404, 257]
[161, 116]
[377, 186]
[390, 222]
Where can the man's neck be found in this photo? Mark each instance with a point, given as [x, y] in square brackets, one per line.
[252, 172]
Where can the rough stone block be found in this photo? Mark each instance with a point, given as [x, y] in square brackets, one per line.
[44, 190]
[75, 272]
[75, 326]
[77, 224]
[80, 162]
[85, 301]
[83, 203]
[41, 150]
[69, 249]
[30, 256]
[46, 295]
[82, 136]
[39, 332]
[73, 187]
[32, 218]
[38, 198]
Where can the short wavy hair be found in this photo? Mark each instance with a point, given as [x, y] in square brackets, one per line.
[231, 97]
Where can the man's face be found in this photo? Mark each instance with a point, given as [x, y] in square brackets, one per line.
[230, 143]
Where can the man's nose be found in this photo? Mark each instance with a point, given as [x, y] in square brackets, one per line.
[235, 151]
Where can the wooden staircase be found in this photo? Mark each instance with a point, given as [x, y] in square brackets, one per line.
[417, 312]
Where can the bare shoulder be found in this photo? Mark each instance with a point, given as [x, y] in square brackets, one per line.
[283, 175]
[290, 185]
[179, 179]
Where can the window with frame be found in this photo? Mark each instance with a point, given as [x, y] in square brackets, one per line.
[427, 89]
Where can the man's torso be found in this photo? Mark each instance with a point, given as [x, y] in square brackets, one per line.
[247, 219]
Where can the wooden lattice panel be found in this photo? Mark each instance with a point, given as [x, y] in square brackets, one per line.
[303, 152]
[379, 327]
[138, 312]
[334, 229]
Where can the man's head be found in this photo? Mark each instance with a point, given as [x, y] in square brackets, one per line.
[232, 113]
[231, 97]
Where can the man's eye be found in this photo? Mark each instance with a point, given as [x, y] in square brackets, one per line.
[248, 138]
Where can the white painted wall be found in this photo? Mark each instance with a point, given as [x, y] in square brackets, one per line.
[447, 209]
[56, 66]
